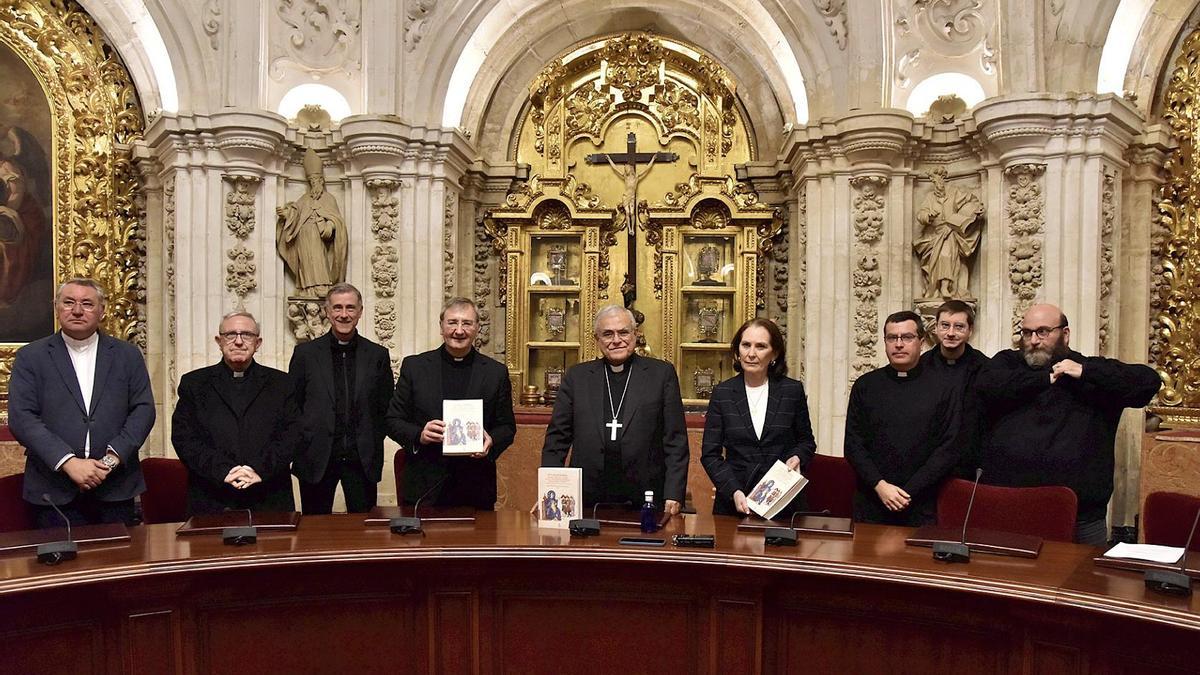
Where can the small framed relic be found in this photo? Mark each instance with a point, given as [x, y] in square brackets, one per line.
[708, 262]
[703, 381]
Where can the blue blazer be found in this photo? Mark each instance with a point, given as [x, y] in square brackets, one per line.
[47, 416]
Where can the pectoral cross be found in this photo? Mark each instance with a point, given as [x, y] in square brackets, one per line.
[613, 426]
[631, 158]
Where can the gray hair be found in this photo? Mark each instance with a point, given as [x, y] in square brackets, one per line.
[342, 287]
[459, 302]
[248, 315]
[82, 281]
[612, 309]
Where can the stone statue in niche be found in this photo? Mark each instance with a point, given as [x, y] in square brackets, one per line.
[310, 234]
[950, 220]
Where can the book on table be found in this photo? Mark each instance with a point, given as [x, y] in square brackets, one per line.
[560, 496]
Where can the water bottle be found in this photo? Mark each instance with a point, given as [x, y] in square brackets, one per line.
[649, 518]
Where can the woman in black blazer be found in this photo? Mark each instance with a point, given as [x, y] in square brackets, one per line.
[754, 419]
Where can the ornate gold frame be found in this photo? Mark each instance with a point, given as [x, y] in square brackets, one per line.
[98, 226]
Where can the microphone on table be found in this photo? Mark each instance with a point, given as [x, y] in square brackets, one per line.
[586, 527]
[241, 535]
[1174, 582]
[412, 524]
[786, 536]
[958, 551]
[54, 552]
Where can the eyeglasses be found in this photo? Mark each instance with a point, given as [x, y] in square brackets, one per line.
[87, 305]
[611, 335]
[907, 338]
[956, 327]
[233, 336]
[1042, 332]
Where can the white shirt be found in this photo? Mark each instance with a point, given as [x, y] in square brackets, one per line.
[83, 360]
[756, 398]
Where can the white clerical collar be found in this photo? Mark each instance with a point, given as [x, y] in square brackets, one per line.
[81, 345]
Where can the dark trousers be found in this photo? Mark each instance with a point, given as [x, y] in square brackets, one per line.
[360, 491]
[85, 509]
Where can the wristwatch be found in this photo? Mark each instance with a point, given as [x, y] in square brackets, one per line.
[110, 459]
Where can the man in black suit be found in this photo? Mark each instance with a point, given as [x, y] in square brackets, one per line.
[453, 371]
[622, 418]
[80, 403]
[343, 386]
[236, 427]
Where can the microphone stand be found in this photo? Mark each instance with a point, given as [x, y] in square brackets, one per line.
[54, 552]
[587, 527]
[1174, 582]
[958, 551]
[241, 535]
[787, 536]
[412, 524]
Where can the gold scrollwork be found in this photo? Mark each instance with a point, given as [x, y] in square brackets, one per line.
[1175, 299]
[633, 60]
[586, 109]
[95, 117]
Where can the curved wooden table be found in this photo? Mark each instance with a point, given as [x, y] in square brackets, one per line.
[503, 596]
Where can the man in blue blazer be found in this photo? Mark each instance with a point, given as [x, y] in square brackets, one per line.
[80, 403]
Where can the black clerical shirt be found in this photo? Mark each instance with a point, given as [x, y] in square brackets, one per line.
[345, 417]
[618, 483]
[456, 374]
[902, 428]
[959, 374]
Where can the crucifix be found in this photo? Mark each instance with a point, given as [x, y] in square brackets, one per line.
[631, 158]
[613, 426]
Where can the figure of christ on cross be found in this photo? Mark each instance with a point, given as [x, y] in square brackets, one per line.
[631, 158]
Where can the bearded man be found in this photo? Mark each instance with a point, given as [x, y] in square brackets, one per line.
[1052, 415]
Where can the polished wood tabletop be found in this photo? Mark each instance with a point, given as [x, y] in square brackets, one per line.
[1063, 573]
[505, 596]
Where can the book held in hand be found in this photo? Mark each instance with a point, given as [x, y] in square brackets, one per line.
[464, 426]
[560, 496]
[776, 490]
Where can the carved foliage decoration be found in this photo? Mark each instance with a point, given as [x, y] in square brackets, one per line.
[950, 27]
[677, 107]
[586, 109]
[1025, 205]
[171, 301]
[417, 16]
[384, 258]
[866, 280]
[1108, 218]
[449, 227]
[834, 14]
[212, 22]
[240, 272]
[321, 35]
[632, 63]
[485, 249]
[1175, 299]
[95, 116]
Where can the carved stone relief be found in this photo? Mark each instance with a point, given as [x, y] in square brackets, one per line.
[322, 36]
[867, 280]
[949, 217]
[482, 281]
[169, 269]
[1108, 217]
[384, 258]
[1025, 206]
[449, 225]
[212, 22]
[240, 271]
[418, 15]
[834, 14]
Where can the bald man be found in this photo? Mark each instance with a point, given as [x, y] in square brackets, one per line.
[1052, 415]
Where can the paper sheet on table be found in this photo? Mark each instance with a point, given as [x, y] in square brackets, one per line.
[1167, 555]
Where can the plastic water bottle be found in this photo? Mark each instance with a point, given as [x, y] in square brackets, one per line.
[649, 519]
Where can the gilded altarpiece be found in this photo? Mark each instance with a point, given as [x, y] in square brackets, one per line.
[93, 216]
[632, 142]
[1175, 285]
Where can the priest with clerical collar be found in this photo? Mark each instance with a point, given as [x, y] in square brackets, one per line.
[901, 431]
[453, 371]
[236, 427]
[621, 416]
[957, 362]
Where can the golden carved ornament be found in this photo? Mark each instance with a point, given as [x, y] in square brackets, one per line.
[95, 117]
[677, 107]
[586, 109]
[632, 63]
[1175, 304]
[552, 215]
[710, 216]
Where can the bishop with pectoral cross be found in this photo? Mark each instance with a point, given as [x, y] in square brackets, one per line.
[620, 418]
